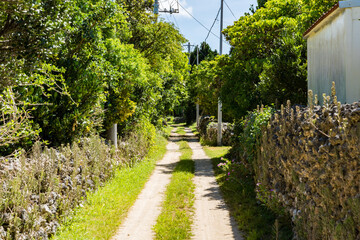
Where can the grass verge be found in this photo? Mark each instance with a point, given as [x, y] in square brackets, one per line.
[175, 220]
[238, 189]
[105, 209]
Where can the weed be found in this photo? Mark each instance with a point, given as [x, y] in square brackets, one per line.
[238, 188]
[105, 209]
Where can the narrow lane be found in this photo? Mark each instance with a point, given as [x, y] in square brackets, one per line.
[212, 219]
[143, 214]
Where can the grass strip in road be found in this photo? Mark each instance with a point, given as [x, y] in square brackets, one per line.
[180, 131]
[176, 217]
[194, 129]
[105, 209]
[253, 219]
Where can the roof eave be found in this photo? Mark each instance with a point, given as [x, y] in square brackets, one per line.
[320, 20]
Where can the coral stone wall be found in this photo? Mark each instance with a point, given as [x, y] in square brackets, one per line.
[311, 158]
[208, 130]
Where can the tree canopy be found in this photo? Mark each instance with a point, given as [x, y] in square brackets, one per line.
[268, 63]
[71, 68]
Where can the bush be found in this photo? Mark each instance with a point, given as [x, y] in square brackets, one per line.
[248, 134]
[42, 188]
[39, 190]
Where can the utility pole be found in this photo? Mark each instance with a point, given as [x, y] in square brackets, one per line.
[197, 103]
[189, 52]
[171, 9]
[219, 137]
[189, 49]
[156, 7]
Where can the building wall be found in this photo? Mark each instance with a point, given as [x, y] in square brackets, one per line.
[334, 56]
[326, 58]
[353, 77]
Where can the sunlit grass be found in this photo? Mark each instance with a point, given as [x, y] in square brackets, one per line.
[193, 128]
[105, 209]
[180, 130]
[253, 219]
[176, 217]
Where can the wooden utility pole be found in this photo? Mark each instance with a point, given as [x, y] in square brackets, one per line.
[219, 137]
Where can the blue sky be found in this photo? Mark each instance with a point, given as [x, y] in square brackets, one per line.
[205, 11]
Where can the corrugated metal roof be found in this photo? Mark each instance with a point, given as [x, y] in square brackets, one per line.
[325, 15]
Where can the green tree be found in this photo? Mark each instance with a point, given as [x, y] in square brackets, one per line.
[205, 53]
[268, 58]
[261, 3]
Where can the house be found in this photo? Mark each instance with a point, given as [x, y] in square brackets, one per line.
[334, 52]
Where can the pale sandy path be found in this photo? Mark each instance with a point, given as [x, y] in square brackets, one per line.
[143, 214]
[212, 220]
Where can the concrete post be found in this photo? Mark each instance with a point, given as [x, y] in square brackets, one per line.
[112, 135]
[197, 114]
[219, 136]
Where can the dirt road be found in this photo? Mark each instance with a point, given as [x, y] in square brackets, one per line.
[143, 214]
[211, 218]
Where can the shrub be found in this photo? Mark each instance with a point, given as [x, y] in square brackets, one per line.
[249, 133]
[40, 189]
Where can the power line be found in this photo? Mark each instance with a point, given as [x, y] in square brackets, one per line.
[199, 21]
[230, 9]
[161, 4]
[176, 23]
[213, 24]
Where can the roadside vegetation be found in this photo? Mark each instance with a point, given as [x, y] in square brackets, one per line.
[104, 211]
[176, 217]
[70, 70]
[239, 191]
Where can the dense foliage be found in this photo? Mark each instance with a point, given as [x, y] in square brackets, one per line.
[71, 68]
[267, 63]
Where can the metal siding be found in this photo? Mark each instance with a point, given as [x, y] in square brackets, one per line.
[353, 79]
[326, 59]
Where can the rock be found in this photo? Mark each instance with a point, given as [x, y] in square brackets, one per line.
[45, 209]
[2, 233]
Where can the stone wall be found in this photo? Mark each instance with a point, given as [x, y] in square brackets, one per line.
[208, 129]
[310, 158]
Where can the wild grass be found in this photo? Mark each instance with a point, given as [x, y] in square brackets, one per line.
[176, 217]
[254, 219]
[105, 209]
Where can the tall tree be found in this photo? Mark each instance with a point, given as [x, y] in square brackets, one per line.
[205, 53]
[261, 3]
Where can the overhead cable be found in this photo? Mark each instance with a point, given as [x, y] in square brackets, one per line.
[230, 9]
[213, 24]
[198, 21]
